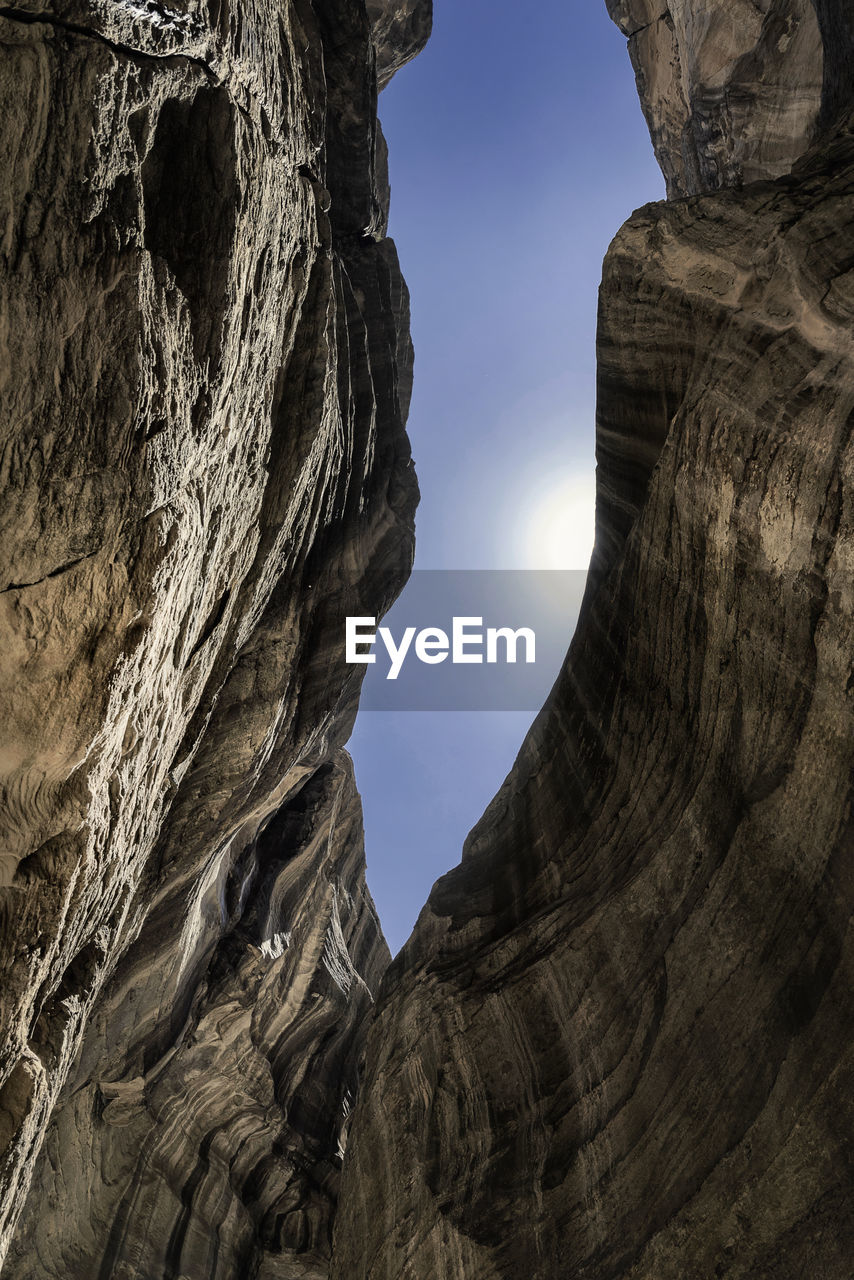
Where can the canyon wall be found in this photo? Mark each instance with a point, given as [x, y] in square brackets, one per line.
[205, 375]
[732, 91]
[620, 1041]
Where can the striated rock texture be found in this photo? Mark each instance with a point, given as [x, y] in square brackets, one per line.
[204, 1130]
[205, 369]
[620, 1042]
[400, 31]
[731, 90]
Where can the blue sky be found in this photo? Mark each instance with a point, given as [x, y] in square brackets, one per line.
[517, 149]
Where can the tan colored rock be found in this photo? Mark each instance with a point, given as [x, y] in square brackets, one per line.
[221, 1157]
[205, 370]
[732, 91]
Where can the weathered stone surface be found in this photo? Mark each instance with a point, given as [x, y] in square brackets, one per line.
[205, 372]
[836, 23]
[401, 29]
[619, 1042]
[732, 91]
[213, 1148]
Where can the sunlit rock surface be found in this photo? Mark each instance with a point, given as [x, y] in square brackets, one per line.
[620, 1042]
[731, 90]
[205, 373]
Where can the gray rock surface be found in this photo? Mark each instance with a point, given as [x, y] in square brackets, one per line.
[401, 28]
[204, 1128]
[205, 373]
[619, 1044]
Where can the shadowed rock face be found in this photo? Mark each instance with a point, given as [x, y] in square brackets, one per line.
[209, 1143]
[619, 1042]
[205, 375]
[401, 29]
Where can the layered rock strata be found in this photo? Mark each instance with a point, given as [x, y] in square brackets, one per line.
[204, 1130]
[732, 91]
[619, 1042]
[205, 376]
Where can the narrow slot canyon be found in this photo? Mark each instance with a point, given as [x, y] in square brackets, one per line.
[614, 1040]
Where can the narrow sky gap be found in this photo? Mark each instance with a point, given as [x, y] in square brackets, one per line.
[517, 149]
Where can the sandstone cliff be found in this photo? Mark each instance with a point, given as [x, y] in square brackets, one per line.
[205, 373]
[732, 91]
[620, 1042]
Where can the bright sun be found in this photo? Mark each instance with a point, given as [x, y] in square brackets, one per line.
[558, 526]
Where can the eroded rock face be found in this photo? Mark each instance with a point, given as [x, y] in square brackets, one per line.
[205, 376]
[204, 1130]
[619, 1042]
[401, 29]
[731, 90]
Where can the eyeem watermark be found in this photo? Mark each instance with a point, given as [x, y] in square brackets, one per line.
[467, 640]
[433, 646]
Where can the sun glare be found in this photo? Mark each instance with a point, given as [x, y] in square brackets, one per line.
[559, 523]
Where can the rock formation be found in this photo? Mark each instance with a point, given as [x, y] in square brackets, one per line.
[620, 1041]
[400, 31]
[205, 374]
[204, 1130]
[731, 91]
[619, 1044]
